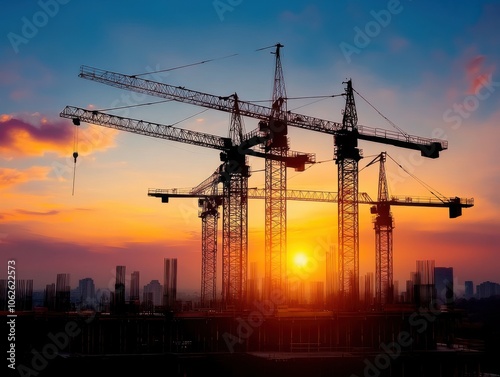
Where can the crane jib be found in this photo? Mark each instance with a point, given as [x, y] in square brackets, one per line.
[429, 147]
[293, 159]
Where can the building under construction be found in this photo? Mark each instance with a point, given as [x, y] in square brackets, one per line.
[235, 319]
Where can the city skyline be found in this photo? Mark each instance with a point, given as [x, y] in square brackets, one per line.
[87, 283]
[444, 87]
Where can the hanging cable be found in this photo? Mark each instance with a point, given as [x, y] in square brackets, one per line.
[75, 156]
[433, 191]
[189, 117]
[308, 104]
[311, 97]
[382, 115]
[184, 66]
[298, 98]
[370, 163]
[137, 105]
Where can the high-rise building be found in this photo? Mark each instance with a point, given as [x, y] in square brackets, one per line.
[24, 295]
[296, 292]
[253, 294]
[469, 289]
[317, 294]
[134, 287]
[105, 301]
[332, 277]
[369, 288]
[63, 289]
[443, 281]
[87, 298]
[152, 295]
[395, 291]
[118, 301]
[424, 283]
[50, 296]
[169, 283]
[487, 289]
[409, 291]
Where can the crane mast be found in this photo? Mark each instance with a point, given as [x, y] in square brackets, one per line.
[209, 214]
[383, 224]
[273, 124]
[235, 218]
[209, 200]
[347, 155]
[275, 188]
[233, 173]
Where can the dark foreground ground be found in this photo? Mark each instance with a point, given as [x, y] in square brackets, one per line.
[316, 364]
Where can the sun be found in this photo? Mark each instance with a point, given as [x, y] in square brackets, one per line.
[300, 259]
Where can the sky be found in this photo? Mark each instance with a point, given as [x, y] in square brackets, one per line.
[429, 69]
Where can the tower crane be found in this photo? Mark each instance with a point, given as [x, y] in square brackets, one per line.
[208, 201]
[231, 154]
[276, 119]
[275, 128]
[209, 214]
[383, 223]
[381, 206]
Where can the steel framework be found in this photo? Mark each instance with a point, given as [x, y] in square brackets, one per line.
[347, 156]
[235, 218]
[383, 225]
[275, 122]
[275, 189]
[381, 207]
[233, 173]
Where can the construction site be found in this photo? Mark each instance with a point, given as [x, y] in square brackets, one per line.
[268, 325]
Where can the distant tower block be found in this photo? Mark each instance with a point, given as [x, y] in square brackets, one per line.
[134, 287]
[443, 280]
[469, 289]
[424, 283]
[87, 293]
[119, 297]
[62, 292]
[332, 277]
[170, 283]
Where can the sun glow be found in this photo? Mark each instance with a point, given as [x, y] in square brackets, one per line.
[300, 259]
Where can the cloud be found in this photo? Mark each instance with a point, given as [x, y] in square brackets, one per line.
[477, 74]
[34, 213]
[11, 177]
[36, 135]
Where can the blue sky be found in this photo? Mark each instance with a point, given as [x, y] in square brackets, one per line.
[415, 65]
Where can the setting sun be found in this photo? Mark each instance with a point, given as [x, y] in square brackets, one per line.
[300, 259]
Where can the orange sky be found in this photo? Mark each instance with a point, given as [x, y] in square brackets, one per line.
[425, 86]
